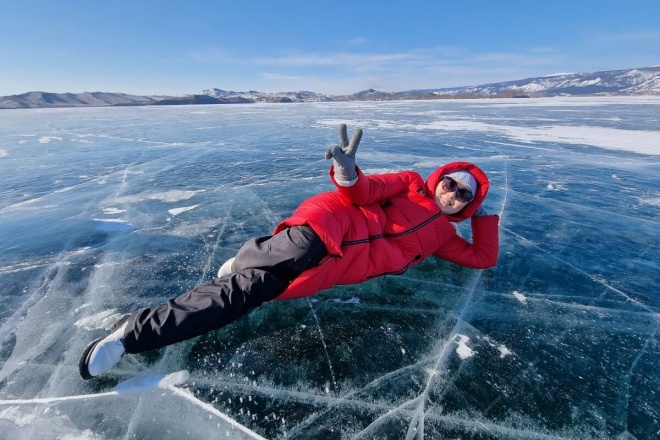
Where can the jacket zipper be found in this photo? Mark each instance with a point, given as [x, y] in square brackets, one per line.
[400, 234]
[400, 271]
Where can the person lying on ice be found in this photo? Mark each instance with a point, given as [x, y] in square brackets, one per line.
[381, 224]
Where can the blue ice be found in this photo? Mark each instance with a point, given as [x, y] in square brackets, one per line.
[106, 210]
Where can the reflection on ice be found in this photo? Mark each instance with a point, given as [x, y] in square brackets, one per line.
[104, 211]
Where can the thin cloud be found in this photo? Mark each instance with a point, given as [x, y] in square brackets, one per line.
[519, 59]
[351, 71]
[499, 57]
[414, 59]
[425, 68]
[280, 77]
[338, 59]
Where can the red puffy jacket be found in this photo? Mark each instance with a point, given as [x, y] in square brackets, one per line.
[386, 224]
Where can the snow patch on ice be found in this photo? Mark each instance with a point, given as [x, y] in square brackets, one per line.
[87, 434]
[113, 224]
[3, 152]
[173, 379]
[520, 297]
[48, 139]
[653, 201]
[637, 141]
[20, 267]
[110, 220]
[112, 211]
[378, 170]
[14, 415]
[463, 350]
[556, 186]
[177, 211]
[149, 381]
[503, 350]
[24, 203]
[101, 321]
[84, 306]
[353, 300]
[175, 195]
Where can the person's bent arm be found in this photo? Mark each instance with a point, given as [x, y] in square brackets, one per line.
[377, 187]
[482, 252]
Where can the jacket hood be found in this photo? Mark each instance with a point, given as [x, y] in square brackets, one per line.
[482, 187]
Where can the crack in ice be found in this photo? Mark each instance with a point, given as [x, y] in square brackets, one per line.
[325, 347]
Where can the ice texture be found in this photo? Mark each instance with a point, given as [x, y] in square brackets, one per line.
[107, 210]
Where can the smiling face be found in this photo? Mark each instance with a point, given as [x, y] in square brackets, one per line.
[446, 199]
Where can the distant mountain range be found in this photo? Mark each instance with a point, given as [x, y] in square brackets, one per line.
[629, 82]
[641, 81]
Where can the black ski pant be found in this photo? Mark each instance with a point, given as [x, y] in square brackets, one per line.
[262, 270]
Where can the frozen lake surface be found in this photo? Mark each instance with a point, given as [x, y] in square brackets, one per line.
[104, 211]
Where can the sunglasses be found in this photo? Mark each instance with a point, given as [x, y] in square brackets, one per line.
[464, 195]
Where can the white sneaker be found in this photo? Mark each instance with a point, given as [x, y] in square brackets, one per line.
[226, 268]
[102, 354]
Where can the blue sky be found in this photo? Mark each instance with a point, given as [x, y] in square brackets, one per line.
[337, 47]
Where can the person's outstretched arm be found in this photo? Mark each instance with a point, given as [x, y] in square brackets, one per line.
[358, 188]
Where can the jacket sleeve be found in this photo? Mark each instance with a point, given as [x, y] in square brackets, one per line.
[376, 187]
[482, 252]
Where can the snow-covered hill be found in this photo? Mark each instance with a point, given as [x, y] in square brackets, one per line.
[96, 99]
[254, 96]
[639, 81]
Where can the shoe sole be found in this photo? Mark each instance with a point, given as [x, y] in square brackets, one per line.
[82, 363]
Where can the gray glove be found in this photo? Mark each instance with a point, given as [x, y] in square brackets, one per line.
[344, 157]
